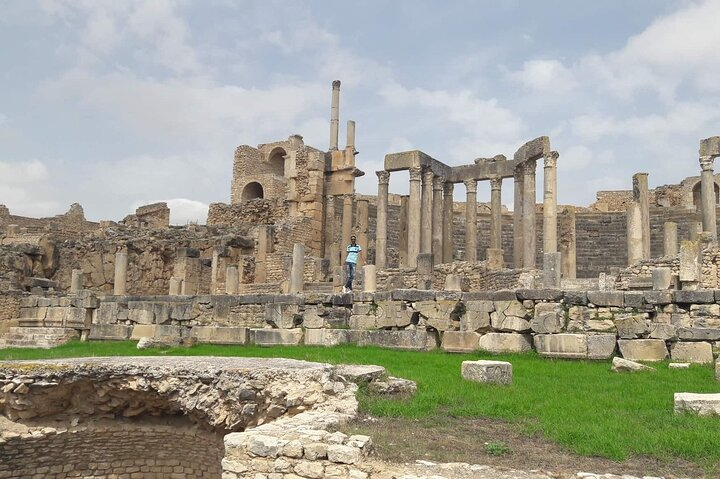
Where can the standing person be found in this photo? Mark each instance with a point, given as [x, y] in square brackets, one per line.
[353, 253]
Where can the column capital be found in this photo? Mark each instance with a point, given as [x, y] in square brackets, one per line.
[528, 168]
[495, 182]
[706, 163]
[448, 188]
[415, 173]
[471, 185]
[383, 177]
[551, 159]
[438, 183]
[329, 197]
[428, 175]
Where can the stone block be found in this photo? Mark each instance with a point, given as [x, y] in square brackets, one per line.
[448, 295]
[624, 365]
[573, 346]
[631, 326]
[277, 337]
[601, 346]
[412, 340]
[109, 332]
[413, 295]
[363, 321]
[700, 404]
[643, 349]
[505, 343]
[539, 294]
[663, 331]
[694, 296]
[504, 295]
[106, 313]
[477, 316]
[360, 373]
[487, 372]
[478, 296]
[343, 299]
[698, 334]
[607, 298]
[634, 299]
[575, 298]
[690, 271]
[679, 366]
[141, 312]
[661, 278]
[143, 331]
[282, 315]
[695, 352]
[220, 335]
[326, 337]
[548, 318]
[460, 341]
[658, 297]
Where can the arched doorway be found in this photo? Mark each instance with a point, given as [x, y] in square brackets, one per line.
[252, 191]
[276, 160]
[697, 195]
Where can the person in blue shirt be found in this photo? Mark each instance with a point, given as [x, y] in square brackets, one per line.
[353, 253]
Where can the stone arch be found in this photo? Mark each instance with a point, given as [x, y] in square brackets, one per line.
[252, 191]
[276, 161]
[697, 195]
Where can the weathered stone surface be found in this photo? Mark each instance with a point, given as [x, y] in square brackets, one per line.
[561, 345]
[164, 342]
[414, 340]
[143, 331]
[326, 337]
[361, 373]
[392, 386]
[658, 297]
[643, 349]
[510, 316]
[220, 335]
[505, 343]
[413, 295]
[606, 298]
[112, 332]
[695, 352]
[460, 341]
[700, 404]
[277, 337]
[477, 316]
[489, 372]
[539, 294]
[698, 334]
[282, 315]
[575, 297]
[662, 331]
[621, 365]
[679, 366]
[548, 318]
[631, 326]
[694, 296]
[601, 346]
[634, 299]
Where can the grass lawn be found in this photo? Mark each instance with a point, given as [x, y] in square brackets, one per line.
[581, 405]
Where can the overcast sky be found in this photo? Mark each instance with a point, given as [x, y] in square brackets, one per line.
[118, 103]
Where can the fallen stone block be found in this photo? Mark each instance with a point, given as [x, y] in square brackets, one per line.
[277, 337]
[561, 345]
[692, 352]
[360, 373]
[326, 337]
[392, 386]
[460, 341]
[166, 342]
[643, 349]
[625, 365]
[700, 404]
[220, 335]
[505, 343]
[488, 372]
[679, 366]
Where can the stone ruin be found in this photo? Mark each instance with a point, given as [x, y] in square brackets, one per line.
[633, 275]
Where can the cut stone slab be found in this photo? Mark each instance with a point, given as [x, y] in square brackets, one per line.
[700, 404]
[392, 386]
[220, 335]
[277, 337]
[699, 352]
[413, 340]
[165, 342]
[460, 341]
[623, 365]
[488, 372]
[601, 346]
[326, 337]
[679, 366]
[573, 346]
[361, 373]
[505, 343]
[643, 349]
[112, 332]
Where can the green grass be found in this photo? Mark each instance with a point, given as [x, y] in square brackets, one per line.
[579, 404]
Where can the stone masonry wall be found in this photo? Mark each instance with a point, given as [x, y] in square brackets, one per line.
[259, 211]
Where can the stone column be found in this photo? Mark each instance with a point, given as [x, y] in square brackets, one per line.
[471, 220]
[496, 212]
[346, 225]
[297, 268]
[670, 236]
[403, 253]
[551, 270]
[362, 229]
[634, 233]
[232, 280]
[120, 278]
[528, 228]
[707, 189]
[175, 286]
[447, 228]
[640, 195]
[330, 228]
[369, 278]
[414, 207]
[550, 204]
[568, 244]
[426, 226]
[350, 134]
[264, 246]
[76, 281]
[381, 219]
[335, 115]
[517, 218]
[437, 219]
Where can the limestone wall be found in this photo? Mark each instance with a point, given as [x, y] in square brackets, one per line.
[259, 211]
[10, 303]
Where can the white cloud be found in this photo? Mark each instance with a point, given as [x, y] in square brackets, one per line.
[545, 76]
[182, 210]
[26, 189]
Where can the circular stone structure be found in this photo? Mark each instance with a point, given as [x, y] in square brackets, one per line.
[160, 417]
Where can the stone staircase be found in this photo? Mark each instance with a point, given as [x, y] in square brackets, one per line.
[36, 337]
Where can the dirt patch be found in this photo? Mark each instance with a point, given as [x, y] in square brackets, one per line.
[497, 443]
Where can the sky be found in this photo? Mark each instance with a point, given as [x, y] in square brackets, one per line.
[119, 103]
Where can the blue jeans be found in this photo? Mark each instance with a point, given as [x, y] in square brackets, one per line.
[350, 274]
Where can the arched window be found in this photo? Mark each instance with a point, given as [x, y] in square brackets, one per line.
[697, 195]
[252, 191]
[276, 160]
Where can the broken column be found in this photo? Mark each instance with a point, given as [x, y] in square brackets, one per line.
[175, 286]
[528, 209]
[690, 266]
[330, 229]
[381, 219]
[414, 207]
[551, 270]
[362, 228]
[426, 226]
[217, 270]
[447, 242]
[188, 268]
[707, 189]
[346, 223]
[437, 218]
[350, 134]
[640, 196]
[568, 243]
[264, 246]
[634, 233]
[471, 220]
[550, 203]
[518, 218]
[670, 237]
[335, 115]
[120, 277]
[297, 268]
[76, 281]
[369, 278]
[232, 280]
[404, 200]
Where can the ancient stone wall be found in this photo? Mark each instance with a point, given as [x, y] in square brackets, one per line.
[10, 303]
[67, 225]
[259, 211]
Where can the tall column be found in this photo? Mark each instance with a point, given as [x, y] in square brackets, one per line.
[297, 268]
[447, 242]
[707, 189]
[426, 211]
[471, 220]
[335, 115]
[381, 219]
[437, 219]
[414, 207]
[362, 229]
[634, 233]
[528, 236]
[517, 218]
[350, 134]
[120, 278]
[670, 238]
[496, 212]
[232, 280]
[346, 224]
[568, 249]
[330, 229]
[404, 200]
[550, 203]
[640, 195]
